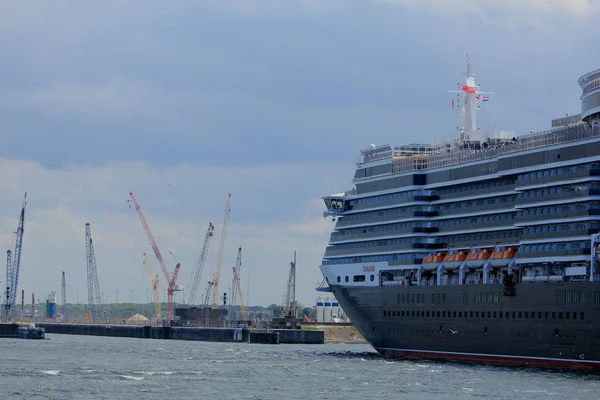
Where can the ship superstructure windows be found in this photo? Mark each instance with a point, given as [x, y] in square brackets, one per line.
[575, 297]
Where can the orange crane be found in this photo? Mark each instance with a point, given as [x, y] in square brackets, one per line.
[171, 279]
[237, 288]
[221, 247]
[154, 280]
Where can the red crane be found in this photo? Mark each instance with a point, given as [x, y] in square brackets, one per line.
[171, 279]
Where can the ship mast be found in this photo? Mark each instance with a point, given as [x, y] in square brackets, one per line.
[470, 94]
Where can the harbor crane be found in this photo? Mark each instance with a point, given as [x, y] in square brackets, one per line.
[197, 273]
[221, 247]
[13, 265]
[289, 309]
[171, 278]
[154, 281]
[94, 300]
[237, 288]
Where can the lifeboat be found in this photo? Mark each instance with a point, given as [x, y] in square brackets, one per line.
[432, 261]
[478, 257]
[502, 256]
[454, 258]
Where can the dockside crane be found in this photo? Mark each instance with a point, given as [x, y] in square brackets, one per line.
[13, 268]
[154, 281]
[237, 288]
[197, 272]
[221, 247]
[289, 307]
[94, 298]
[171, 278]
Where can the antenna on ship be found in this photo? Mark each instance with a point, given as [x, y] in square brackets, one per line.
[469, 93]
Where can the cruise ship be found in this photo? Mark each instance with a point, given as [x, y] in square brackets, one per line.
[482, 249]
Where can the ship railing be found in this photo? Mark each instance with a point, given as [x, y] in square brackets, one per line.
[559, 135]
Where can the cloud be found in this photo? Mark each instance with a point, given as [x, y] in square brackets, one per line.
[275, 211]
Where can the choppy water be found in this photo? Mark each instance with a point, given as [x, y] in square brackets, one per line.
[89, 367]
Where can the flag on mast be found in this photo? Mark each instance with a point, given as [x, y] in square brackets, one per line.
[452, 103]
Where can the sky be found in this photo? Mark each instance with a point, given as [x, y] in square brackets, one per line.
[184, 102]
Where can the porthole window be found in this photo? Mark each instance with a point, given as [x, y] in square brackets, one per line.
[346, 279]
[339, 279]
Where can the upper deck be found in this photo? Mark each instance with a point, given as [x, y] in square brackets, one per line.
[429, 157]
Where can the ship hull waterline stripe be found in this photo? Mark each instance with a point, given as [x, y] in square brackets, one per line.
[494, 359]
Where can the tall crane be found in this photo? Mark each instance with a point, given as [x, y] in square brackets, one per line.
[221, 247]
[154, 281]
[63, 310]
[94, 299]
[197, 273]
[237, 288]
[171, 278]
[14, 267]
[7, 293]
[289, 307]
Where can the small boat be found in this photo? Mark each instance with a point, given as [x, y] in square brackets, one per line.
[503, 255]
[478, 257]
[455, 258]
[433, 260]
[30, 331]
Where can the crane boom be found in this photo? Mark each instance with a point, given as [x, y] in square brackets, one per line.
[197, 273]
[153, 244]
[171, 279]
[289, 307]
[94, 299]
[237, 288]
[221, 247]
[12, 279]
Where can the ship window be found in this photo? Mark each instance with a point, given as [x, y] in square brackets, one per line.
[438, 314]
[513, 314]
[560, 315]
[454, 314]
[494, 314]
[539, 315]
[485, 329]
[567, 315]
[443, 314]
[372, 278]
[476, 314]
[581, 316]
[470, 314]
[520, 314]
[488, 314]
[526, 314]
[422, 298]
[506, 315]
[546, 315]
[339, 279]
[346, 279]
[443, 297]
[553, 315]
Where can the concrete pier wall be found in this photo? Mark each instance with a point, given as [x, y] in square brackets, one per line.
[300, 336]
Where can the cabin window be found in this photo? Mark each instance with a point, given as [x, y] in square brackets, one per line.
[372, 278]
[339, 279]
[346, 279]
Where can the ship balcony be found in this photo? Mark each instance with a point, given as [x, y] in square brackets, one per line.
[394, 202]
[541, 216]
[557, 175]
[466, 228]
[508, 205]
[480, 242]
[332, 251]
[491, 191]
[547, 255]
[343, 222]
[425, 229]
[558, 234]
[428, 245]
[557, 196]
[365, 234]
[401, 263]
[433, 213]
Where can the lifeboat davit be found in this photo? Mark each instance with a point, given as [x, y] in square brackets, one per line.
[432, 261]
[478, 257]
[502, 256]
[455, 258]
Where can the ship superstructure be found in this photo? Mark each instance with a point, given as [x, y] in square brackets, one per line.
[482, 248]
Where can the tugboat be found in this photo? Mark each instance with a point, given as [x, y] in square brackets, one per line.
[29, 331]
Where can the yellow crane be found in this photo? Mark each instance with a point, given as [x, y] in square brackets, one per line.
[217, 273]
[154, 280]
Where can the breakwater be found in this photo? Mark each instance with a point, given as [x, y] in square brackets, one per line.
[276, 336]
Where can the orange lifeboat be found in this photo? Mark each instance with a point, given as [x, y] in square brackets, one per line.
[433, 260]
[454, 258]
[478, 257]
[502, 255]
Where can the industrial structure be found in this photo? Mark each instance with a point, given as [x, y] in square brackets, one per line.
[171, 278]
[197, 272]
[154, 282]
[63, 309]
[289, 308]
[94, 298]
[13, 265]
[215, 289]
[236, 288]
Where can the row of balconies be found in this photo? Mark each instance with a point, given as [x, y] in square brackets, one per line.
[558, 177]
[556, 215]
[558, 196]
